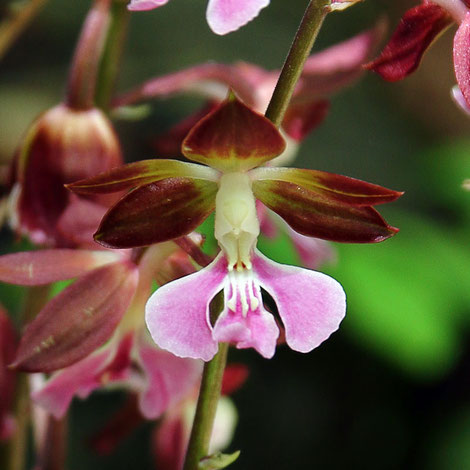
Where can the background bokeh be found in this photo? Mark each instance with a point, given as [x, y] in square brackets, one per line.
[391, 389]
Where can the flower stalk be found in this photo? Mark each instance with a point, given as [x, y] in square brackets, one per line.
[16, 454]
[209, 395]
[211, 384]
[306, 35]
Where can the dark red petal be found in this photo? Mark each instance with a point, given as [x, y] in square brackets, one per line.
[121, 424]
[416, 31]
[169, 144]
[233, 138]
[235, 376]
[139, 174]
[157, 212]
[311, 214]
[462, 57]
[78, 320]
[342, 189]
[301, 119]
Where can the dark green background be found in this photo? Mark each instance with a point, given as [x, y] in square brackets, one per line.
[390, 390]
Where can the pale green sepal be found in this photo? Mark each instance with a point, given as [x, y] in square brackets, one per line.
[339, 5]
[132, 113]
[218, 461]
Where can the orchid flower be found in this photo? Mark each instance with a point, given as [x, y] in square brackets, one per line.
[93, 332]
[223, 16]
[418, 29]
[172, 198]
[325, 74]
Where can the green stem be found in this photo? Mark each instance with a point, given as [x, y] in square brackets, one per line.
[112, 53]
[307, 33]
[209, 395]
[16, 455]
[13, 26]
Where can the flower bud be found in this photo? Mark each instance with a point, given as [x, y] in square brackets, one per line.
[62, 145]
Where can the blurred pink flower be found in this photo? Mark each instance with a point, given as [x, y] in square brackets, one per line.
[104, 305]
[417, 30]
[223, 16]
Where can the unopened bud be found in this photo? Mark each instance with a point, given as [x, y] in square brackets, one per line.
[62, 146]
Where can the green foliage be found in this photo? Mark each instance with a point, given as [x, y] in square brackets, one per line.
[408, 297]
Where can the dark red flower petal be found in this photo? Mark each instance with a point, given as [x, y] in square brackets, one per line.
[78, 320]
[233, 138]
[416, 31]
[157, 212]
[312, 214]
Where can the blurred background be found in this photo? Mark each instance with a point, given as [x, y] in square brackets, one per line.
[391, 389]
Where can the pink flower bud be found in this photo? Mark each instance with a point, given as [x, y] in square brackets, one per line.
[62, 145]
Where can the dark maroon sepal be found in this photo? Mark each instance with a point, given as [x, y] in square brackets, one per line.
[233, 137]
[78, 320]
[314, 215]
[416, 31]
[301, 119]
[157, 212]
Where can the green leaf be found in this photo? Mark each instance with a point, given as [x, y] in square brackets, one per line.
[407, 298]
[218, 461]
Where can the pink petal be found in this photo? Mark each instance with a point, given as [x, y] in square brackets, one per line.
[311, 304]
[338, 66]
[79, 222]
[108, 365]
[177, 314]
[225, 16]
[313, 252]
[267, 226]
[462, 57]
[32, 268]
[169, 379]
[78, 379]
[460, 100]
[254, 328]
[170, 442]
[145, 5]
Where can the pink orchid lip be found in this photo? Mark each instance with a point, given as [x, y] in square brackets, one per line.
[226, 16]
[310, 304]
[145, 5]
[456, 8]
